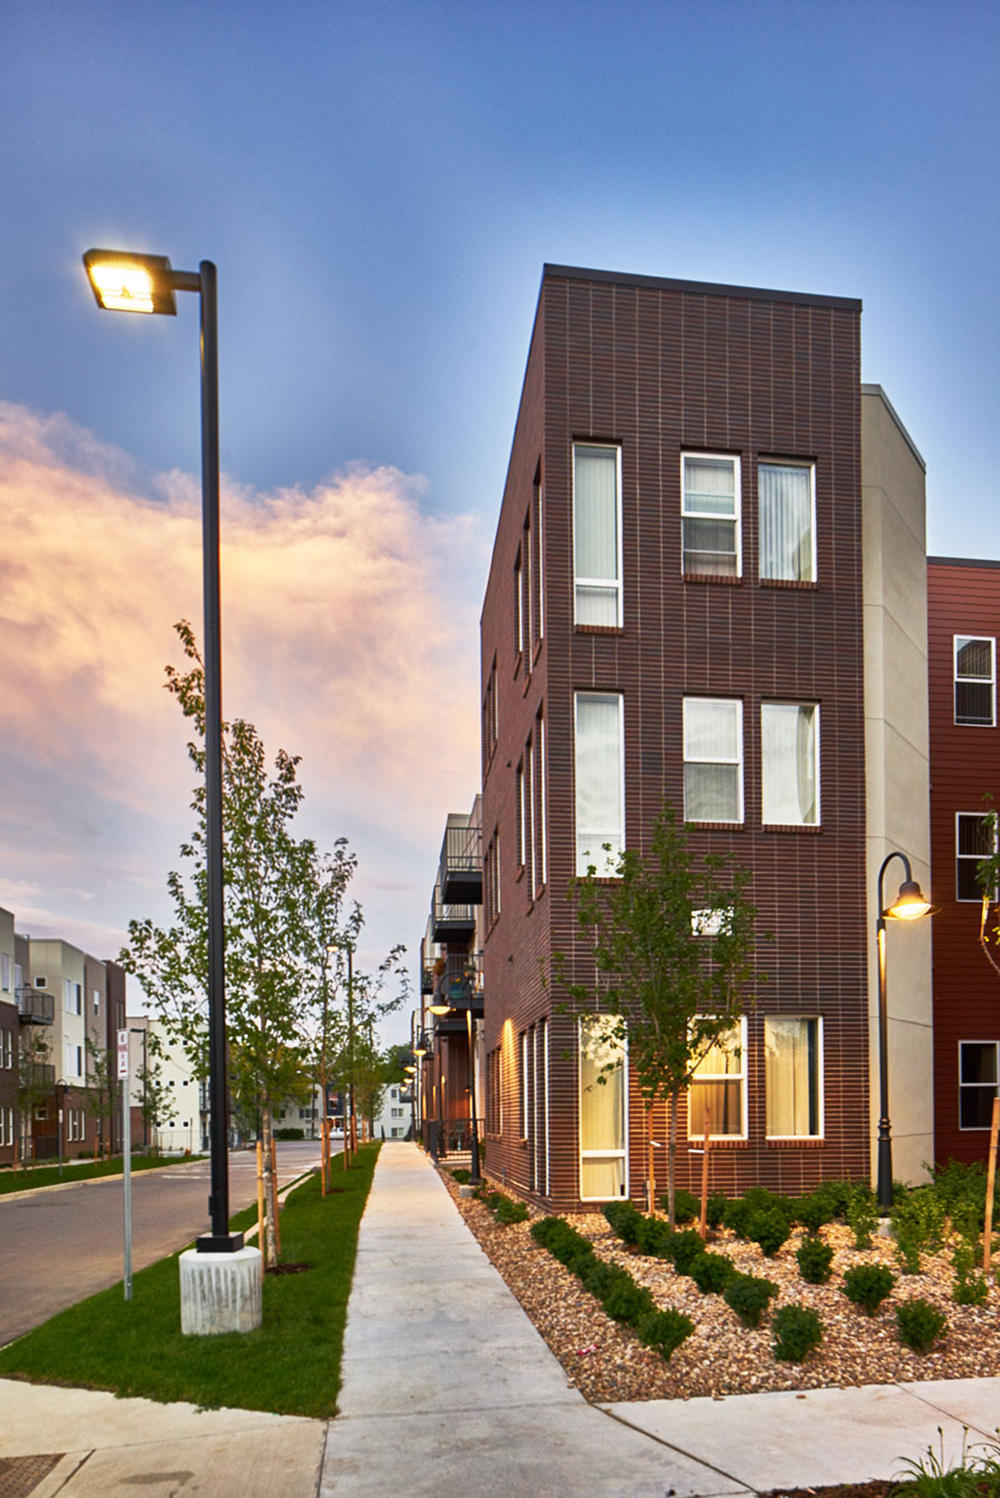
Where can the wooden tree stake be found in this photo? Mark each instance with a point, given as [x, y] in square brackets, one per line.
[277, 1209]
[260, 1205]
[703, 1224]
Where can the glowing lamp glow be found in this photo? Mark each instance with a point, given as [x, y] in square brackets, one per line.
[910, 904]
[439, 1008]
[123, 282]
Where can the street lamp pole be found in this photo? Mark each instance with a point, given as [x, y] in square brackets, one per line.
[123, 282]
[909, 905]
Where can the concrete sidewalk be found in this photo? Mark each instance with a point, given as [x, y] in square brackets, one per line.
[449, 1390]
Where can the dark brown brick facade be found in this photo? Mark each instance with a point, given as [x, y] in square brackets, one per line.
[963, 598]
[659, 368]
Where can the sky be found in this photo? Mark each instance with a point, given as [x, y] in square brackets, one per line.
[380, 185]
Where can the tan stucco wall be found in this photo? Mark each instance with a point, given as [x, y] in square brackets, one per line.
[897, 768]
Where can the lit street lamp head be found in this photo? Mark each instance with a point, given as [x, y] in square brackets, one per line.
[123, 282]
[910, 903]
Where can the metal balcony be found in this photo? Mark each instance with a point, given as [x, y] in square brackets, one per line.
[460, 985]
[34, 1006]
[460, 877]
[451, 922]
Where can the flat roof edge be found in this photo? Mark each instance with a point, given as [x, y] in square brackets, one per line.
[961, 562]
[877, 390]
[699, 288]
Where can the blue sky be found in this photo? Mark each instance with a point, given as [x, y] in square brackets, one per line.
[380, 185]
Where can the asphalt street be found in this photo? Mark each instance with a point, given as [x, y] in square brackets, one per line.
[61, 1244]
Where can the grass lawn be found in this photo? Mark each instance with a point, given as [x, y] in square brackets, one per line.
[48, 1175]
[290, 1365]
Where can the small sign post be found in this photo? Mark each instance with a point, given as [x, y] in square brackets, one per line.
[126, 1157]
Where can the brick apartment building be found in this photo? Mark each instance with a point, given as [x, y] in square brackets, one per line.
[963, 625]
[707, 584]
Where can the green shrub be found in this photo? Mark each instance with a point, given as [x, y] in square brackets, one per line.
[626, 1301]
[862, 1216]
[919, 1324]
[665, 1331]
[970, 1287]
[280, 1134]
[759, 1199]
[797, 1331]
[716, 1209]
[959, 1187]
[917, 1224]
[736, 1216]
[655, 1237]
[749, 1296]
[867, 1285]
[769, 1230]
[509, 1211]
[814, 1258]
[836, 1195]
[711, 1273]
[461, 1175]
[597, 1276]
[814, 1211]
[624, 1219]
[684, 1249]
[687, 1206]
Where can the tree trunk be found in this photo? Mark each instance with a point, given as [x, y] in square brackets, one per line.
[671, 1156]
[324, 1156]
[270, 1186]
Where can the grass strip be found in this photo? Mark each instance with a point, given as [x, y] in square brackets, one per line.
[37, 1176]
[290, 1365]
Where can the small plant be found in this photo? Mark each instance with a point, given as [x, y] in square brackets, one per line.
[627, 1301]
[685, 1248]
[930, 1478]
[797, 1331]
[623, 1219]
[919, 1324]
[917, 1224]
[970, 1287]
[665, 1331]
[462, 1176]
[712, 1273]
[507, 1211]
[862, 1216]
[836, 1195]
[867, 1285]
[716, 1209]
[736, 1215]
[814, 1211]
[655, 1237]
[687, 1206]
[749, 1296]
[769, 1230]
[814, 1259]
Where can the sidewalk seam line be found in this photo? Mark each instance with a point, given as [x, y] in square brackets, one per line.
[929, 1404]
[70, 1475]
[671, 1447]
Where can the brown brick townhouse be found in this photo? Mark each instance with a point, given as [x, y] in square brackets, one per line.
[707, 584]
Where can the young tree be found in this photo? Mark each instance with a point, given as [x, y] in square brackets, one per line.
[35, 1082]
[266, 868]
[324, 1025]
[156, 1100]
[99, 1097]
[673, 939]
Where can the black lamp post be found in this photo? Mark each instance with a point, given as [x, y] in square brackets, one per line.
[123, 282]
[909, 905]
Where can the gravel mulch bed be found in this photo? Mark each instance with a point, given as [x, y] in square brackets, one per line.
[607, 1362]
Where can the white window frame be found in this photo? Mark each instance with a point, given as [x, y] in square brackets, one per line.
[957, 641]
[597, 855]
[961, 858]
[975, 1128]
[810, 468]
[737, 516]
[524, 1085]
[609, 584]
[700, 760]
[602, 1154]
[817, 762]
[817, 1020]
[726, 1077]
[5, 971]
[543, 854]
[522, 821]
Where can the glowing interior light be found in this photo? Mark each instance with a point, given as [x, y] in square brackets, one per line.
[123, 288]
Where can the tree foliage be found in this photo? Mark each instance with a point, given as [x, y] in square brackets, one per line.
[672, 945]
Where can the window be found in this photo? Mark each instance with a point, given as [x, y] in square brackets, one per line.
[491, 880]
[490, 723]
[72, 997]
[975, 681]
[538, 777]
[73, 1055]
[6, 1126]
[6, 1050]
[520, 605]
[525, 1107]
[530, 843]
[718, 1088]
[539, 558]
[597, 534]
[526, 593]
[602, 1111]
[710, 514]
[713, 759]
[519, 810]
[789, 755]
[787, 503]
[97, 1002]
[792, 1077]
[5, 971]
[600, 787]
[494, 1091]
[975, 839]
[977, 1082]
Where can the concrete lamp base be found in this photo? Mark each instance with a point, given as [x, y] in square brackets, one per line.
[220, 1292]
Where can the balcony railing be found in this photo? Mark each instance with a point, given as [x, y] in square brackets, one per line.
[451, 922]
[461, 873]
[460, 983]
[34, 1006]
[41, 1074]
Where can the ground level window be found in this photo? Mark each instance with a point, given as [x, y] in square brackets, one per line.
[602, 1111]
[792, 1077]
[719, 1087]
[977, 1082]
